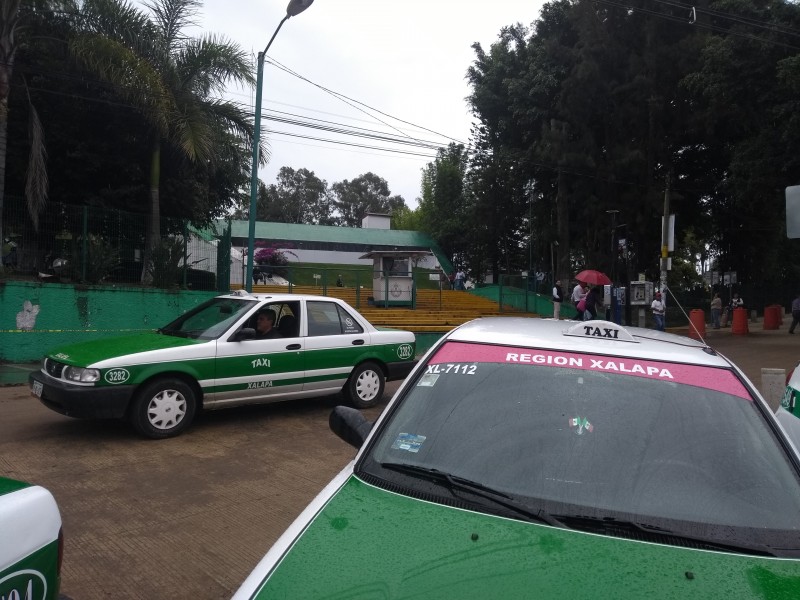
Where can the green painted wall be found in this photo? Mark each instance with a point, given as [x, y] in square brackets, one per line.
[63, 314]
[59, 314]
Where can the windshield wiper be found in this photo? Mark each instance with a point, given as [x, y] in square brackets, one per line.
[456, 484]
[654, 533]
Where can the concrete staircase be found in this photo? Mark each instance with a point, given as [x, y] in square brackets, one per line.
[433, 314]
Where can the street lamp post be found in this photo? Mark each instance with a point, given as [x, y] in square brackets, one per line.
[294, 8]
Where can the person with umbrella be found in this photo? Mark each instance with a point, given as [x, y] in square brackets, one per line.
[590, 277]
[593, 299]
[578, 294]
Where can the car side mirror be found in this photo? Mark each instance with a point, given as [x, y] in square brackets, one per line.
[350, 425]
[245, 333]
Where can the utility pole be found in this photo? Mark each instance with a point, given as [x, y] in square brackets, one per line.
[665, 236]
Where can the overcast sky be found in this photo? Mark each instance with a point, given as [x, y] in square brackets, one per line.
[405, 58]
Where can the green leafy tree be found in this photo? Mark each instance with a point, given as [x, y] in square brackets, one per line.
[297, 197]
[443, 206]
[36, 186]
[405, 218]
[367, 193]
[169, 78]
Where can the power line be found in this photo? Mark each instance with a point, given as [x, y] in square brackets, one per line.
[348, 100]
[697, 24]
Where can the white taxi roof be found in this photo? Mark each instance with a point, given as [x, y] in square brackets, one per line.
[594, 337]
[280, 297]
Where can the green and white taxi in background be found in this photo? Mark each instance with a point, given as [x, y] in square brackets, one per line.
[535, 458]
[210, 358]
[31, 542]
[791, 397]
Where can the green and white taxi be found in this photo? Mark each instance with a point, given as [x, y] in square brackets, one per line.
[31, 542]
[212, 357]
[535, 458]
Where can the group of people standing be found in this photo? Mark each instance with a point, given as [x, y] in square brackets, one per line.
[587, 300]
[716, 308]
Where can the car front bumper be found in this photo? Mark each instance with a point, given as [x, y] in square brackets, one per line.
[82, 402]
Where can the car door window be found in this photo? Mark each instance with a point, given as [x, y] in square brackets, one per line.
[349, 324]
[328, 318]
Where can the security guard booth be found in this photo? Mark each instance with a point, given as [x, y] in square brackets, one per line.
[393, 277]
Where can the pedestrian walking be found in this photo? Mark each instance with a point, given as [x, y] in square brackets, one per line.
[460, 279]
[558, 297]
[594, 299]
[716, 310]
[657, 306]
[795, 313]
[578, 294]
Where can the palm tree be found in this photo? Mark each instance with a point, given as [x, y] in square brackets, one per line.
[171, 80]
[36, 182]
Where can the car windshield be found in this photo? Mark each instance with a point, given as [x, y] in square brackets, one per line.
[209, 320]
[673, 446]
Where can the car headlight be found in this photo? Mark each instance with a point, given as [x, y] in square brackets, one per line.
[82, 375]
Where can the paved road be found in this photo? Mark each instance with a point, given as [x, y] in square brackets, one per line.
[187, 517]
[190, 517]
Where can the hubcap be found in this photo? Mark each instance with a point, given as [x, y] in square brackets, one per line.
[368, 385]
[166, 409]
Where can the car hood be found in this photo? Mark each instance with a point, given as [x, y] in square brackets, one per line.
[86, 354]
[370, 543]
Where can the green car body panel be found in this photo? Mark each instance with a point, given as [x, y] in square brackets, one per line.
[367, 542]
[144, 356]
[214, 350]
[30, 530]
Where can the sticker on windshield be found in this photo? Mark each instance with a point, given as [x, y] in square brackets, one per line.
[428, 380]
[408, 442]
[580, 425]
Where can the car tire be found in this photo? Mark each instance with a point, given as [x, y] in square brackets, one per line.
[364, 388]
[163, 408]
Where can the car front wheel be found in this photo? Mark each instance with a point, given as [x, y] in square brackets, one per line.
[364, 389]
[163, 408]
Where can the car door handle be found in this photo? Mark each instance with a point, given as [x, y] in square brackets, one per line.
[358, 342]
[293, 347]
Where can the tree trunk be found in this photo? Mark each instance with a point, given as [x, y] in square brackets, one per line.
[3, 147]
[562, 225]
[153, 234]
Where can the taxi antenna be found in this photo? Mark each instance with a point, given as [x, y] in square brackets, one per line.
[691, 325]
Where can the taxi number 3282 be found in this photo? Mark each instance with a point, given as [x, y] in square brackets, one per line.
[451, 368]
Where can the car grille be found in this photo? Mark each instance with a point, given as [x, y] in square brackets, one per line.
[53, 368]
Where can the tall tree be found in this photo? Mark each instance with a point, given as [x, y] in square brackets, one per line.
[36, 182]
[172, 80]
[443, 206]
[297, 197]
[367, 193]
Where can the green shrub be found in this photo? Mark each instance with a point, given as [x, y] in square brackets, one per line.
[165, 268]
[101, 259]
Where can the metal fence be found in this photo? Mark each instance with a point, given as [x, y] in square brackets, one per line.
[85, 244]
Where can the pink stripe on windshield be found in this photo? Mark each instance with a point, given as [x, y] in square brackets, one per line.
[720, 380]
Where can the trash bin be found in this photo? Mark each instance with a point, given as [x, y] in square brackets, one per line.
[739, 322]
[772, 317]
[697, 324]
